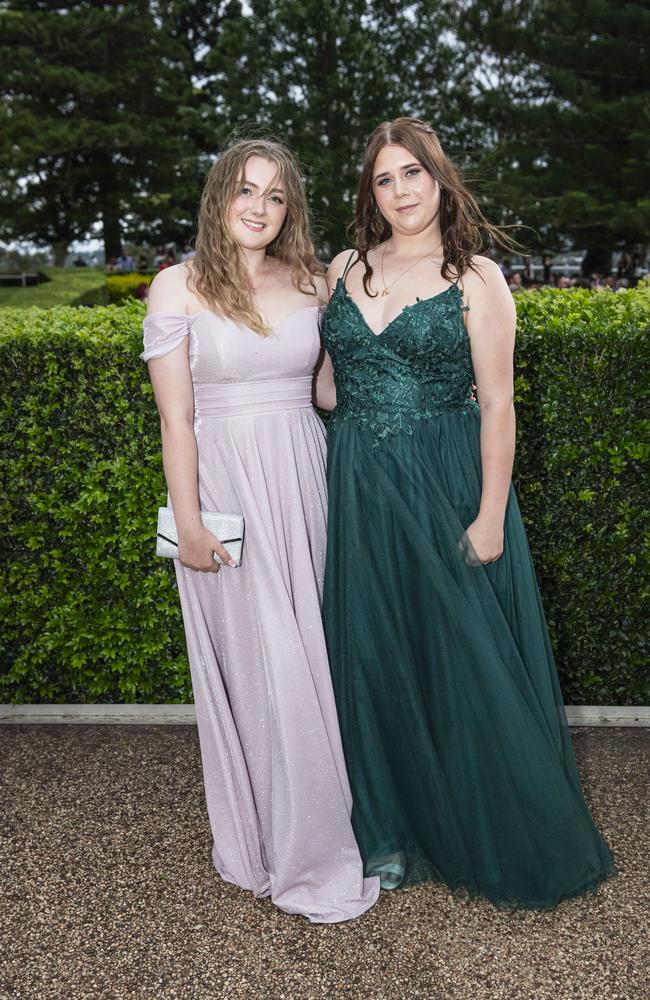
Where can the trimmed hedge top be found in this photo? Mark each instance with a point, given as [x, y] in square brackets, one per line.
[87, 612]
[122, 287]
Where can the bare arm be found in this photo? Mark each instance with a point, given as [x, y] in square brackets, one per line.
[323, 388]
[324, 392]
[172, 385]
[491, 327]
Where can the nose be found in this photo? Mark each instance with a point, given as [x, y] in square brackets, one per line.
[400, 188]
[259, 205]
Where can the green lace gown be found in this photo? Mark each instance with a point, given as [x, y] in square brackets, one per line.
[456, 741]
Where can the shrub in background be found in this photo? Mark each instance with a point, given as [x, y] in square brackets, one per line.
[582, 448]
[88, 613]
[122, 287]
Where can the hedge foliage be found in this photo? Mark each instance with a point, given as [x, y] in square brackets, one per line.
[122, 287]
[583, 446]
[87, 612]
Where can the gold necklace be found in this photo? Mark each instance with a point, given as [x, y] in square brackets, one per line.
[255, 288]
[387, 288]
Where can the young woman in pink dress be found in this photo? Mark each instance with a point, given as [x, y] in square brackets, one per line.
[232, 342]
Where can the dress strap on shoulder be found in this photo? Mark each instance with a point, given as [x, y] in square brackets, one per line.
[348, 265]
[163, 332]
[456, 283]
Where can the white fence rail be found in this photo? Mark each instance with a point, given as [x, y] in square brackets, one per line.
[183, 715]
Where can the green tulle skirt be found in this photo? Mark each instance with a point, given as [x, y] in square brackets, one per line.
[458, 751]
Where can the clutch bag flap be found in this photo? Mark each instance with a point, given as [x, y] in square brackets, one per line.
[228, 528]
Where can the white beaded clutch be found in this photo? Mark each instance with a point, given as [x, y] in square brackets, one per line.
[228, 528]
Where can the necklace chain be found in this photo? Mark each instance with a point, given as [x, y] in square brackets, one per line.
[255, 288]
[387, 288]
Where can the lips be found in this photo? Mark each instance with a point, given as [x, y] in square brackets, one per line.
[406, 208]
[255, 227]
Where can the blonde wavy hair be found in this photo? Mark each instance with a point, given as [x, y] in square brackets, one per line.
[217, 272]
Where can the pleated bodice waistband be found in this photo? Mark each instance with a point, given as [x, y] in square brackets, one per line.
[238, 399]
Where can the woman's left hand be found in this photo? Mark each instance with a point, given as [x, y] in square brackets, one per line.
[485, 537]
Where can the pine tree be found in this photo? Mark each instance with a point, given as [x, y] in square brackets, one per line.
[93, 94]
[321, 76]
[561, 89]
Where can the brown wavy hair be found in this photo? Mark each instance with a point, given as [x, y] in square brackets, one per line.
[217, 272]
[464, 228]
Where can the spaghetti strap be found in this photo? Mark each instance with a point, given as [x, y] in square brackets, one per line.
[347, 267]
[458, 285]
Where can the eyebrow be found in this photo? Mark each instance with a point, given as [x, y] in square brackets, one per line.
[252, 184]
[384, 173]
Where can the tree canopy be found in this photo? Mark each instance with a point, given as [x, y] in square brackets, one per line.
[93, 119]
[113, 110]
[561, 88]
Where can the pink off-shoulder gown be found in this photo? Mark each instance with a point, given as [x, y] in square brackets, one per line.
[276, 787]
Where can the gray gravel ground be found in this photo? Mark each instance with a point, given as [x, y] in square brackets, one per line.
[108, 892]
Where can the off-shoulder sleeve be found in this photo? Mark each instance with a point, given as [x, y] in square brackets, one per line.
[163, 332]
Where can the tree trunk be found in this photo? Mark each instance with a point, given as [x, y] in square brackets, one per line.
[111, 226]
[60, 253]
[109, 203]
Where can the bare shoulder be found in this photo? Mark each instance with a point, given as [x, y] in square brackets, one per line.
[338, 265]
[168, 291]
[483, 271]
[484, 283]
[492, 315]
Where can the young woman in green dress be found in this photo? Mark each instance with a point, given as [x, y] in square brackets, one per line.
[457, 746]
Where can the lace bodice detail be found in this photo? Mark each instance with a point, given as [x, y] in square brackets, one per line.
[417, 366]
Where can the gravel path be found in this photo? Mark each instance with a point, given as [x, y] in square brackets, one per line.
[108, 891]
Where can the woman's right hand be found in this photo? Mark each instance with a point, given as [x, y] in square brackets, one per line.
[195, 550]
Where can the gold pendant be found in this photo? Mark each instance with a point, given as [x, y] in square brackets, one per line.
[386, 291]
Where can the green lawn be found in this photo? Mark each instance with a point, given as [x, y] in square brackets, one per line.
[68, 286]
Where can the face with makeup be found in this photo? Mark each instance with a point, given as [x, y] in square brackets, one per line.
[407, 195]
[258, 210]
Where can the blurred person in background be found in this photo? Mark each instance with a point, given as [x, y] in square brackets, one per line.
[625, 268]
[168, 260]
[125, 262]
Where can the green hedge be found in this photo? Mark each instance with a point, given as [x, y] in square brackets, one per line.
[582, 369]
[89, 614]
[122, 287]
